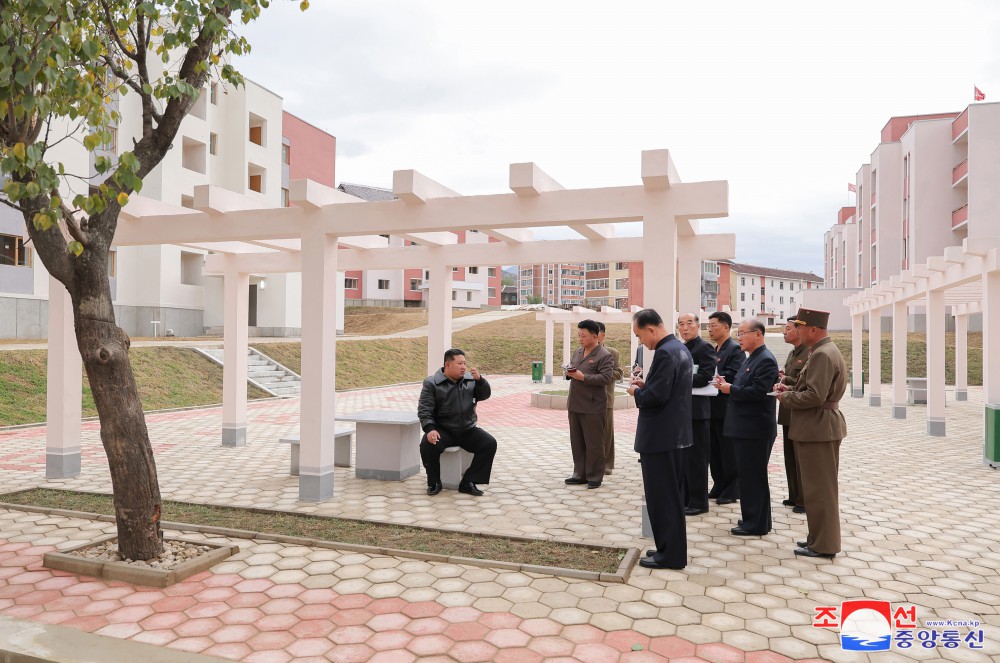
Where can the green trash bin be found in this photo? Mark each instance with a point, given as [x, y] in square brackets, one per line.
[536, 371]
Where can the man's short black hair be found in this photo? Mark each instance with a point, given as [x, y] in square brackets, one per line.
[792, 318]
[590, 325]
[449, 355]
[723, 318]
[600, 325]
[647, 317]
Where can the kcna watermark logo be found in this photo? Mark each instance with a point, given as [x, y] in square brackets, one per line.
[877, 626]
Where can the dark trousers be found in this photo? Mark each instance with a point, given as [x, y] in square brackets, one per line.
[722, 463]
[586, 440]
[696, 465]
[752, 455]
[792, 471]
[609, 436]
[662, 475]
[476, 441]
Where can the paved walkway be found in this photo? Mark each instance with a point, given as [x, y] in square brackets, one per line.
[921, 526]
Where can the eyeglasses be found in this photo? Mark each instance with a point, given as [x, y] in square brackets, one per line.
[755, 331]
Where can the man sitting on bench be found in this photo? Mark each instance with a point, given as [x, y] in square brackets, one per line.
[447, 412]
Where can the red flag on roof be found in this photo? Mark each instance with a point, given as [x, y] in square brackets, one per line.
[853, 188]
[977, 93]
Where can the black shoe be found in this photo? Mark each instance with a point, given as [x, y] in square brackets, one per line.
[712, 495]
[434, 488]
[799, 509]
[469, 488]
[739, 531]
[726, 500]
[593, 484]
[802, 544]
[648, 563]
[809, 552]
[788, 502]
[573, 481]
[650, 552]
[694, 511]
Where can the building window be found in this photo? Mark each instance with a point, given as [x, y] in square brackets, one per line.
[621, 284]
[255, 178]
[383, 284]
[112, 144]
[414, 285]
[743, 296]
[214, 93]
[743, 280]
[473, 270]
[213, 144]
[454, 269]
[13, 251]
[258, 127]
[491, 272]
[468, 296]
[781, 300]
[351, 284]
[454, 296]
[286, 154]
[791, 286]
[427, 275]
[743, 313]
[284, 198]
[491, 292]
[594, 266]
[597, 284]
[781, 285]
[621, 266]
[191, 264]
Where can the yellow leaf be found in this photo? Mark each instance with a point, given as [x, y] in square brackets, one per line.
[304, 5]
[123, 199]
[19, 151]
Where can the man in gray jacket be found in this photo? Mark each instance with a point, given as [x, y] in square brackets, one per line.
[447, 412]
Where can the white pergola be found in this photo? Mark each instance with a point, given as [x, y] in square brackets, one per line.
[966, 280]
[326, 231]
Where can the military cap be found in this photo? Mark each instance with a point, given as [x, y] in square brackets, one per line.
[810, 318]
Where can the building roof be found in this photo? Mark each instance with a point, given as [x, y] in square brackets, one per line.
[369, 193]
[741, 268]
[509, 289]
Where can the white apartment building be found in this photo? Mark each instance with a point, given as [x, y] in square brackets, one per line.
[840, 263]
[763, 293]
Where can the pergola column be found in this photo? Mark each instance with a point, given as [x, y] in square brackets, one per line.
[991, 366]
[236, 288]
[935, 363]
[962, 357]
[567, 343]
[549, 349]
[857, 379]
[875, 357]
[64, 400]
[319, 365]
[438, 316]
[900, 325]
[688, 283]
[659, 249]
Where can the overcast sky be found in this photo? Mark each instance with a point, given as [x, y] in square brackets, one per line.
[785, 100]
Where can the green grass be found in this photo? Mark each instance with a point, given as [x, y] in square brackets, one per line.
[916, 355]
[341, 530]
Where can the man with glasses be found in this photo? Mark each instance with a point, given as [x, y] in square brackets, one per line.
[696, 456]
[722, 458]
[751, 426]
[793, 366]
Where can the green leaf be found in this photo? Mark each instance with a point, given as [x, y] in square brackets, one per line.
[76, 248]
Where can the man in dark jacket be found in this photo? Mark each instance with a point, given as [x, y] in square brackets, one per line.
[722, 462]
[447, 412]
[592, 372]
[662, 433]
[696, 456]
[793, 366]
[751, 426]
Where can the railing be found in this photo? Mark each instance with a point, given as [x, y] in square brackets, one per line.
[960, 125]
[959, 171]
[960, 216]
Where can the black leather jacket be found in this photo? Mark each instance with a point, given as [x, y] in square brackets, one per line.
[448, 405]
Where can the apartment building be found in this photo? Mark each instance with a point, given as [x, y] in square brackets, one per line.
[840, 255]
[765, 293]
[555, 284]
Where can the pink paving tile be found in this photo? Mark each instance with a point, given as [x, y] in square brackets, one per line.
[551, 645]
[29, 577]
[385, 606]
[625, 640]
[84, 588]
[357, 653]
[500, 620]
[508, 637]
[389, 640]
[352, 617]
[466, 631]
[142, 598]
[271, 640]
[8, 572]
[254, 585]
[234, 650]
[223, 580]
[472, 652]
[517, 655]
[540, 626]
[241, 616]
[54, 616]
[111, 593]
[133, 613]
[198, 627]
[89, 623]
[388, 622]
[163, 620]
[718, 652]
[460, 614]
[194, 645]
[316, 611]
[287, 591]
[211, 609]
[313, 628]
[68, 603]
[595, 652]
[309, 647]
[766, 657]
[650, 657]
[429, 645]
[423, 609]
[14, 591]
[317, 596]
[392, 657]
[186, 588]
[215, 594]
[159, 637]
[99, 608]
[233, 633]
[60, 582]
[248, 600]
[672, 647]
[427, 626]
[199, 577]
[6, 603]
[122, 631]
[38, 597]
[282, 606]
[271, 656]
[350, 635]
[174, 603]
[348, 601]
[277, 622]
[582, 634]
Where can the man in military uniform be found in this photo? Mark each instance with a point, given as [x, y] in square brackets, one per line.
[609, 421]
[817, 427]
[793, 366]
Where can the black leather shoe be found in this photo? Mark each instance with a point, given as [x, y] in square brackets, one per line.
[726, 500]
[739, 531]
[799, 509]
[593, 484]
[809, 552]
[802, 544]
[573, 481]
[650, 552]
[434, 488]
[788, 502]
[469, 488]
[694, 511]
[648, 563]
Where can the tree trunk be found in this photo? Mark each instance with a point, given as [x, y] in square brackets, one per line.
[104, 349]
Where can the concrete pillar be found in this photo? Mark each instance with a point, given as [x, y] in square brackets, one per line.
[438, 316]
[319, 365]
[991, 367]
[236, 288]
[857, 380]
[549, 349]
[659, 249]
[567, 343]
[64, 394]
[900, 324]
[688, 283]
[962, 357]
[935, 363]
[875, 357]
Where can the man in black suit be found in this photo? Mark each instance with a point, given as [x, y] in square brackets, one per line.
[696, 456]
[663, 432]
[751, 425]
[722, 459]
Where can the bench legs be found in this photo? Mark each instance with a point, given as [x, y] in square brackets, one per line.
[342, 451]
[454, 462]
[294, 465]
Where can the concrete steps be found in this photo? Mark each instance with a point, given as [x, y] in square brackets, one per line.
[263, 372]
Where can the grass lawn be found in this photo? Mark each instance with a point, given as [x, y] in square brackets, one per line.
[377, 320]
[916, 355]
[460, 544]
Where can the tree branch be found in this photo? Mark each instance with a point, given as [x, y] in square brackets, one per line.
[114, 32]
[121, 74]
[75, 231]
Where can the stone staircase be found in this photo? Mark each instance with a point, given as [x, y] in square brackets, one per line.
[263, 372]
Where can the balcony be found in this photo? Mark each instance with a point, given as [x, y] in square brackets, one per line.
[873, 199]
[960, 173]
[874, 236]
[960, 126]
[960, 216]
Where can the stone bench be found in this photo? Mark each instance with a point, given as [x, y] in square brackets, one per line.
[387, 445]
[916, 391]
[341, 449]
[454, 462]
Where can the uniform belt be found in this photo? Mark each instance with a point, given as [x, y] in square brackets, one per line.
[830, 405]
